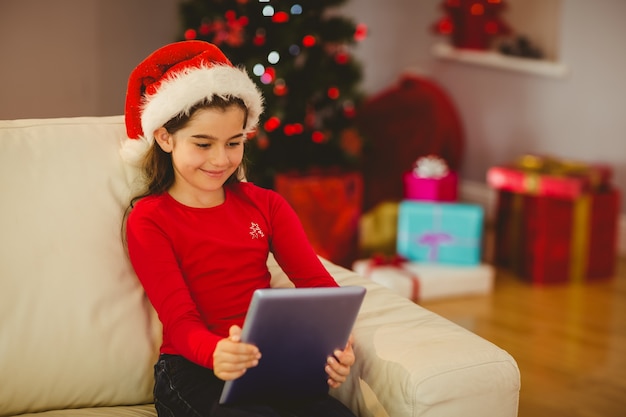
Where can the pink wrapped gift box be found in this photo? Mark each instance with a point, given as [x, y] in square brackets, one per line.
[423, 282]
[431, 189]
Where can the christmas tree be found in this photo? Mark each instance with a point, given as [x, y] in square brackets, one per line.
[299, 54]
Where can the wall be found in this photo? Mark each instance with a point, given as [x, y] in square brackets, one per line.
[73, 57]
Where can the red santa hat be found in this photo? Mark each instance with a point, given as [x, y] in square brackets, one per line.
[173, 79]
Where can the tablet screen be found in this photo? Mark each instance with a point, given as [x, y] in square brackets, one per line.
[296, 329]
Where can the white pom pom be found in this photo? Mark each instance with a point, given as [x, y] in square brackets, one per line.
[430, 167]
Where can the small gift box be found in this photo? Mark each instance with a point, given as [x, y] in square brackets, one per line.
[430, 180]
[378, 230]
[549, 177]
[423, 282]
[443, 233]
[554, 240]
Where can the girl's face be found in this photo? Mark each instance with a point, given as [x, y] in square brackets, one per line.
[205, 153]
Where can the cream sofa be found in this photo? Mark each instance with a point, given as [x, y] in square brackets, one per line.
[78, 337]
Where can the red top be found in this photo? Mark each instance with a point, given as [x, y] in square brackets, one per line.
[200, 266]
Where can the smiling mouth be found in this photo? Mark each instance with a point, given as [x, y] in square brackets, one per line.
[213, 173]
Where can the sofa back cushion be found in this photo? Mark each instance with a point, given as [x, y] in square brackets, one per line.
[75, 327]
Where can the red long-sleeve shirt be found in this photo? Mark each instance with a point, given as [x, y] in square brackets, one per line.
[200, 266]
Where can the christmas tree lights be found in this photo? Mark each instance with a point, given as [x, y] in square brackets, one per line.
[300, 55]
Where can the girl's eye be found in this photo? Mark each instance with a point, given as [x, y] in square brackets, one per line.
[203, 145]
[233, 144]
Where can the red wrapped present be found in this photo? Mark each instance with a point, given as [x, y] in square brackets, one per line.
[430, 180]
[549, 177]
[554, 240]
[329, 207]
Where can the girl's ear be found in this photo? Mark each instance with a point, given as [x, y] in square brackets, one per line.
[164, 139]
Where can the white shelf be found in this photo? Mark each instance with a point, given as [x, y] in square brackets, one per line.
[500, 61]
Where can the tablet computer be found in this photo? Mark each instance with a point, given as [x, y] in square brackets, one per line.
[295, 329]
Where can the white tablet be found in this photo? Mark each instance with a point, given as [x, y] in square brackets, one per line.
[296, 329]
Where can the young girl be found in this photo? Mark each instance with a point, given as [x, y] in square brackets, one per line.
[199, 238]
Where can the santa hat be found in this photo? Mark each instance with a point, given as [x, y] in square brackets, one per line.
[173, 79]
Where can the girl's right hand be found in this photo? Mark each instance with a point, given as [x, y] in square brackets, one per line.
[232, 357]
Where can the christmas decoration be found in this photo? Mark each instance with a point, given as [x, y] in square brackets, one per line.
[299, 55]
[440, 233]
[419, 281]
[556, 220]
[549, 176]
[472, 24]
[414, 117]
[430, 167]
[522, 47]
[430, 180]
[548, 240]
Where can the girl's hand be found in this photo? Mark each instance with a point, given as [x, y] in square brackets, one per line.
[338, 366]
[232, 357]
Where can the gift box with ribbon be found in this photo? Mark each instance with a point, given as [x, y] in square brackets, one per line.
[441, 233]
[554, 240]
[423, 282]
[430, 180]
[549, 177]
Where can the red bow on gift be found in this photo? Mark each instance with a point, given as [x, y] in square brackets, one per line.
[397, 261]
[383, 260]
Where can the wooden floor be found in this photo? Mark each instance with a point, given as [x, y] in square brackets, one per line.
[569, 341]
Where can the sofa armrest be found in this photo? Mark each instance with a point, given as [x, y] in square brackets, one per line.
[412, 362]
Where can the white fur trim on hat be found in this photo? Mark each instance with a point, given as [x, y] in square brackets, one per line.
[184, 89]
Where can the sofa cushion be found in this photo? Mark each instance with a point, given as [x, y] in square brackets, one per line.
[75, 327]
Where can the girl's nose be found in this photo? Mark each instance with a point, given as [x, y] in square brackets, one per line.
[218, 156]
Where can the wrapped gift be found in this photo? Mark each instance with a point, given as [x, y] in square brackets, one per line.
[554, 240]
[443, 233]
[329, 207]
[424, 282]
[549, 177]
[430, 180]
[378, 230]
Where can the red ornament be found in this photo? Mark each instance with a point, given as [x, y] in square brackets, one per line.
[293, 129]
[205, 29]
[280, 17]
[268, 76]
[308, 41]
[318, 137]
[243, 20]
[280, 88]
[262, 141]
[230, 15]
[472, 24]
[361, 32]
[333, 93]
[271, 124]
[190, 34]
[258, 40]
[349, 111]
[342, 58]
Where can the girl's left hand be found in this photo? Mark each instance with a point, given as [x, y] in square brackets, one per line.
[338, 366]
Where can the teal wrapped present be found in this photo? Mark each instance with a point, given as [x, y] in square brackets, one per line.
[442, 233]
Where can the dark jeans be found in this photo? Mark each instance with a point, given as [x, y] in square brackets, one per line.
[184, 389]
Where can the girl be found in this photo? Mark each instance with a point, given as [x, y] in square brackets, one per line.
[198, 237]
